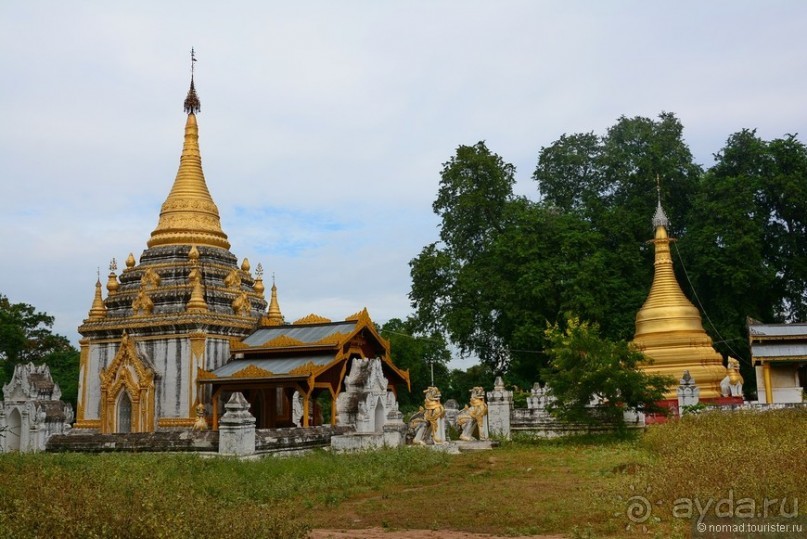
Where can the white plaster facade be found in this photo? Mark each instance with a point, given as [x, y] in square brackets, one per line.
[174, 363]
[784, 383]
[369, 405]
[32, 411]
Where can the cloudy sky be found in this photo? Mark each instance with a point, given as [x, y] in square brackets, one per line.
[324, 124]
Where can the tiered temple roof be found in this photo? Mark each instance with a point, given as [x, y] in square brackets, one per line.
[159, 290]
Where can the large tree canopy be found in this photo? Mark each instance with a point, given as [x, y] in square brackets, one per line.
[25, 335]
[506, 265]
[746, 242]
[455, 283]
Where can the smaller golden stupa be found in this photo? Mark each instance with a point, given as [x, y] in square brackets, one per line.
[669, 328]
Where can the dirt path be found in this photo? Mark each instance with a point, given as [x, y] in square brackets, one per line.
[381, 533]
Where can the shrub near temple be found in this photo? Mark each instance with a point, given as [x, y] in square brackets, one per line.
[584, 366]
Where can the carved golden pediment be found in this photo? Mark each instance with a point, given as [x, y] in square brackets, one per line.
[202, 374]
[306, 368]
[150, 279]
[127, 355]
[312, 319]
[251, 371]
[142, 305]
[270, 322]
[130, 374]
[283, 340]
[361, 315]
[333, 338]
[235, 344]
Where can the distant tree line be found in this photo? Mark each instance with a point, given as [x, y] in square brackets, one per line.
[507, 267]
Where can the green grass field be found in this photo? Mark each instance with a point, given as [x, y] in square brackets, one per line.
[581, 487]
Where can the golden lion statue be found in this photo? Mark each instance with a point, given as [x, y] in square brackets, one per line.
[732, 384]
[201, 423]
[472, 417]
[426, 423]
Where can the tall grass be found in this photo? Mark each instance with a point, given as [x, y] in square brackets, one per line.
[526, 486]
[167, 496]
[754, 453]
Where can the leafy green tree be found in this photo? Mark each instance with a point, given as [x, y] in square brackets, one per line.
[506, 265]
[419, 353]
[584, 366]
[25, 336]
[454, 283]
[746, 246]
[474, 189]
[610, 182]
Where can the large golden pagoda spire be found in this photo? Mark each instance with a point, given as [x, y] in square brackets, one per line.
[189, 216]
[669, 328]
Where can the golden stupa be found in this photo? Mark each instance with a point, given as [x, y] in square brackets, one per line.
[189, 216]
[669, 328]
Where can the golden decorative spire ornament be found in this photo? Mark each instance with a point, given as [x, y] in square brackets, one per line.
[197, 302]
[273, 317]
[258, 286]
[98, 309]
[130, 260]
[189, 215]
[192, 103]
[669, 328]
[112, 283]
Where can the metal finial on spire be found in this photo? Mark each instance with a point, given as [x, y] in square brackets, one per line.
[192, 103]
[660, 218]
[98, 273]
[259, 270]
[113, 265]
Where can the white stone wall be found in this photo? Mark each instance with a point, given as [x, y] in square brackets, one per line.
[171, 360]
[30, 415]
[366, 403]
[100, 355]
[785, 384]
[175, 373]
[217, 351]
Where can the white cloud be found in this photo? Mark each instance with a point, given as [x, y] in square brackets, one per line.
[324, 125]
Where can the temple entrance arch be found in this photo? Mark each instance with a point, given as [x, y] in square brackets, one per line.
[13, 430]
[124, 423]
[127, 384]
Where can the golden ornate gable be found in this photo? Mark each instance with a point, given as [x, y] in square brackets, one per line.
[127, 355]
[362, 315]
[283, 340]
[127, 372]
[312, 319]
[334, 338]
[236, 344]
[251, 371]
[202, 374]
[306, 368]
